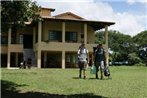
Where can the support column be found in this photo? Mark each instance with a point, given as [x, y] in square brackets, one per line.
[85, 33]
[39, 31]
[8, 59]
[63, 32]
[106, 43]
[9, 43]
[39, 42]
[39, 58]
[63, 59]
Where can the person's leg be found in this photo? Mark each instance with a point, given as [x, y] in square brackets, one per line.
[97, 69]
[80, 71]
[84, 69]
[84, 73]
[102, 68]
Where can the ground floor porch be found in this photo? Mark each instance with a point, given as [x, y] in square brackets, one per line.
[49, 59]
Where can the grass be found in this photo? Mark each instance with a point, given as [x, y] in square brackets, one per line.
[126, 82]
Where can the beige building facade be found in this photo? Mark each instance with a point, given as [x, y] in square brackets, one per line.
[51, 42]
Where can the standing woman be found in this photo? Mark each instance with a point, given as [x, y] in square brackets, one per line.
[82, 60]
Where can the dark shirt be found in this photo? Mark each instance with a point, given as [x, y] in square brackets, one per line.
[99, 54]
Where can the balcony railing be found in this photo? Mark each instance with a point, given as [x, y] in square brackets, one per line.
[59, 46]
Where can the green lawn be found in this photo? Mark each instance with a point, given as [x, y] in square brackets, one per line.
[126, 82]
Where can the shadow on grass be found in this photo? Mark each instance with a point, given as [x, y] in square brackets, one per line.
[8, 90]
[93, 78]
[76, 78]
[100, 79]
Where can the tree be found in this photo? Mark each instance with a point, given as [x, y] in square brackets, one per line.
[16, 13]
[133, 59]
[120, 44]
[141, 38]
[141, 41]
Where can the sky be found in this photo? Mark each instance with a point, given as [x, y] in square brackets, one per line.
[130, 16]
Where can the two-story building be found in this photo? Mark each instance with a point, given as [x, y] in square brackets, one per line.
[52, 41]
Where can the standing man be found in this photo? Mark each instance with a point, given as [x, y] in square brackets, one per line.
[82, 60]
[99, 58]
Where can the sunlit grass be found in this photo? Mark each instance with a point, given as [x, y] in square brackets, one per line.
[126, 82]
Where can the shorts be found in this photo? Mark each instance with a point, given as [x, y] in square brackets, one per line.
[82, 65]
[100, 64]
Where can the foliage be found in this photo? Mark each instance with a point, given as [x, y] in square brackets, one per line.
[99, 37]
[120, 44]
[125, 47]
[133, 59]
[141, 41]
[140, 64]
[141, 38]
[17, 12]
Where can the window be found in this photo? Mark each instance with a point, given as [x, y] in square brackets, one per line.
[71, 60]
[71, 36]
[55, 36]
[4, 40]
[21, 39]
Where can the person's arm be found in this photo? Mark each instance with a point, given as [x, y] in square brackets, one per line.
[94, 55]
[78, 53]
[87, 55]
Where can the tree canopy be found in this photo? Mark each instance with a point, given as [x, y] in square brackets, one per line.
[141, 41]
[17, 12]
[141, 38]
[125, 47]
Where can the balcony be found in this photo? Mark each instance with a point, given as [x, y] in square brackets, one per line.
[59, 46]
[4, 49]
[16, 47]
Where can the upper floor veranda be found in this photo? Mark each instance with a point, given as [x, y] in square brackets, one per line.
[64, 31]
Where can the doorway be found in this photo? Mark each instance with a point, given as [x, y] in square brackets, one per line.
[27, 41]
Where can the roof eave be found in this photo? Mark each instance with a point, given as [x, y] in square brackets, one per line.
[97, 25]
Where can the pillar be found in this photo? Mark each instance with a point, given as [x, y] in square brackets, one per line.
[9, 43]
[39, 31]
[106, 43]
[85, 33]
[38, 58]
[63, 32]
[63, 59]
[39, 42]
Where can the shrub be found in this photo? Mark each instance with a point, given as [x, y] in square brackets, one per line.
[140, 64]
[133, 59]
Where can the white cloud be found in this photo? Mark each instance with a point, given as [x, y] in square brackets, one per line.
[137, 1]
[127, 24]
[101, 11]
[59, 1]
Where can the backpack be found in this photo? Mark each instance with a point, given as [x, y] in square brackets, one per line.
[82, 54]
[106, 71]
